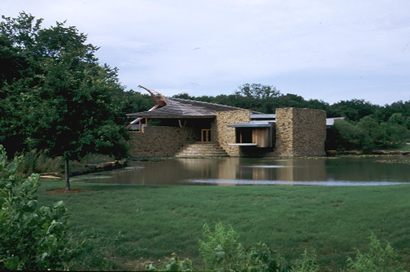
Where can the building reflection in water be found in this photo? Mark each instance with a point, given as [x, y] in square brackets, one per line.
[183, 170]
[239, 168]
[303, 169]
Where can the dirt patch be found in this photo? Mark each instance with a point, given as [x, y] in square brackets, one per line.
[59, 191]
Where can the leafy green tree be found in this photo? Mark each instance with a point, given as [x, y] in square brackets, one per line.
[402, 107]
[369, 134]
[400, 119]
[11, 62]
[373, 133]
[354, 109]
[257, 91]
[130, 102]
[64, 102]
[350, 136]
[261, 98]
[184, 96]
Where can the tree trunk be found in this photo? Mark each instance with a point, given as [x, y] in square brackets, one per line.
[67, 174]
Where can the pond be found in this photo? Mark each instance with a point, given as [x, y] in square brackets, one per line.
[332, 171]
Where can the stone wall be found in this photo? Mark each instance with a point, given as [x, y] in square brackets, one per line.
[223, 134]
[300, 132]
[159, 141]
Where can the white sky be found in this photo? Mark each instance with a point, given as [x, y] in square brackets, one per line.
[329, 50]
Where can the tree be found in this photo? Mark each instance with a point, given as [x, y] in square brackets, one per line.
[349, 136]
[65, 98]
[261, 98]
[354, 109]
[131, 101]
[257, 91]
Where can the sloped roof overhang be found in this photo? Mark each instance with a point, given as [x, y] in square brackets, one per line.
[253, 124]
[183, 109]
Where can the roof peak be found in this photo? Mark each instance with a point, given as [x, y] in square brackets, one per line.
[184, 108]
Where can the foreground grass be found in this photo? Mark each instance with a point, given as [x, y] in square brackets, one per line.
[127, 225]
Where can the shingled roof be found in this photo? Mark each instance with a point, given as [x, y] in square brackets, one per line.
[184, 108]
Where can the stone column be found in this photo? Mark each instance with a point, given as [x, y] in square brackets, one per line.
[300, 132]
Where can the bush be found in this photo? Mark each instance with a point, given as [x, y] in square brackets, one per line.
[220, 248]
[379, 258]
[307, 263]
[38, 162]
[173, 264]
[260, 257]
[31, 236]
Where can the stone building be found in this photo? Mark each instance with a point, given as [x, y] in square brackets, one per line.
[187, 128]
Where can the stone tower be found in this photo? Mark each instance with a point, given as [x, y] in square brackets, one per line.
[300, 132]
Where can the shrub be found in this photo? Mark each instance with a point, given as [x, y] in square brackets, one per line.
[307, 263]
[31, 236]
[220, 248]
[38, 162]
[261, 258]
[379, 258]
[173, 264]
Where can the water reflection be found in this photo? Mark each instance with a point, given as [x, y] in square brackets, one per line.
[284, 182]
[256, 171]
[303, 169]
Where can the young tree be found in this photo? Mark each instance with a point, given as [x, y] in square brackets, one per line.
[69, 107]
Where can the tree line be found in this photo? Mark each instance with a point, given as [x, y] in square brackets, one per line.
[266, 98]
[366, 126]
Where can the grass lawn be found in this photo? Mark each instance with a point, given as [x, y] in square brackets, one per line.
[126, 225]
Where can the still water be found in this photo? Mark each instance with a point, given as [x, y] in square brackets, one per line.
[340, 171]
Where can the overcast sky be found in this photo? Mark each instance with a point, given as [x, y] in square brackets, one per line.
[329, 50]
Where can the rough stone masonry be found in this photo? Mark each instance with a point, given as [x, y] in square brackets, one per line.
[300, 132]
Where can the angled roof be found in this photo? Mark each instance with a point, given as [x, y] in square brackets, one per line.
[184, 108]
[254, 124]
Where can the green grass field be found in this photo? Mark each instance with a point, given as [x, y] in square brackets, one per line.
[126, 226]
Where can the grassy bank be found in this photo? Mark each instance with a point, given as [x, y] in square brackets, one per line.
[127, 225]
